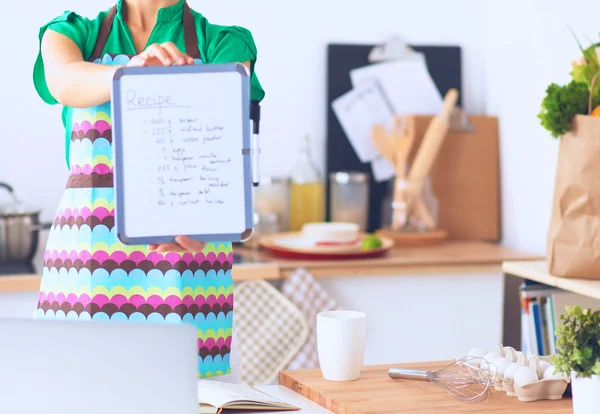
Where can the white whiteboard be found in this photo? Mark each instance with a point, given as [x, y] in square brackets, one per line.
[182, 158]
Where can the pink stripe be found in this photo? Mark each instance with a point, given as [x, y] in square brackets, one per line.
[136, 257]
[173, 301]
[100, 300]
[102, 169]
[172, 257]
[101, 126]
[211, 257]
[154, 300]
[210, 342]
[102, 212]
[118, 300]
[85, 126]
[84, 212]
[155, 257]
[137, 300]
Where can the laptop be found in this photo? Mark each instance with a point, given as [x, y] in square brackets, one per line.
[75, 367]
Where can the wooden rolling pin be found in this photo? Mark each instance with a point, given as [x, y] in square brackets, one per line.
[426, 154]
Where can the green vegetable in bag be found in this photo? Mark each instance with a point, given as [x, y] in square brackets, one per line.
[561, 104]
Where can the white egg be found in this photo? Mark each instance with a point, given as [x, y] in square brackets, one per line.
[522, 359]
[525, 375]
[510, 354]
[477, 352]
[492, 368]
[550, 374]
[501, 364]
[508, 349]
[509, 372]
[490, 357]
[544, 365]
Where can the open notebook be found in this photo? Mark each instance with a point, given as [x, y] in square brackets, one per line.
[215, 397]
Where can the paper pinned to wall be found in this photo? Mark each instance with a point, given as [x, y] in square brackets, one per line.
[382, 169]
[407, 84]
[358, 110]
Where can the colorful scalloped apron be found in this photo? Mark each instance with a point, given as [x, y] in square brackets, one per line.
[89, 274]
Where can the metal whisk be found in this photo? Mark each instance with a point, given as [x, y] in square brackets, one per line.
[467, 379]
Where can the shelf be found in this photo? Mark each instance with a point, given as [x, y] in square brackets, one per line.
[538, 271]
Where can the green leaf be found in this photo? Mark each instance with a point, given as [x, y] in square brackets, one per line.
[559, 106]
[596, 368]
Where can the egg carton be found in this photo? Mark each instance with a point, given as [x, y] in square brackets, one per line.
[527, 377]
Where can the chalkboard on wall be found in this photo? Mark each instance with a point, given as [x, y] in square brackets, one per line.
[444, 64]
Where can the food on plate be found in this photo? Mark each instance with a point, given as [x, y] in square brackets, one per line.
[331, 234]
[371, 242]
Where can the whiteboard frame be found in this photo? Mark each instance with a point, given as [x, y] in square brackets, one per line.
[119, 169]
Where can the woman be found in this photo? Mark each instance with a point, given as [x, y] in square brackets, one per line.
[88, 274]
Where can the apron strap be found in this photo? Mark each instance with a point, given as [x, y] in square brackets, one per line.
[189, 33]
[103, 34]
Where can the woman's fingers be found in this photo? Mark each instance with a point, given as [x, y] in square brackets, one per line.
[166, 248]
[182, 244]
[158, 52]
[179, 57]
[190, 245]
[137, 61]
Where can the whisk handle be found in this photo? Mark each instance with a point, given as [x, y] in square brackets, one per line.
[409, 374]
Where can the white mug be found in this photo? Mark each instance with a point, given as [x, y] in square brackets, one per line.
[341, 338]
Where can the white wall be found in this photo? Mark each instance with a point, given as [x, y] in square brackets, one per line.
[512, 50]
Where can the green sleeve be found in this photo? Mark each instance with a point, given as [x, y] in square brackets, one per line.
[235, 44]
[75, 28]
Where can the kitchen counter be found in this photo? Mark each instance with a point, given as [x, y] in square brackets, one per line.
[449, 257]
[452, 257]
[375, 392]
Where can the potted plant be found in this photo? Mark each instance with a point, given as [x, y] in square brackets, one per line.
[578, 355]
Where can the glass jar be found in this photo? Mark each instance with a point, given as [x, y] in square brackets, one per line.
[306, 190]
[349, 198]
[273, 196]
[264, 224]
[408, 221]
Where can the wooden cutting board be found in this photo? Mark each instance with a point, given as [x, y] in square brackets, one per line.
[375, 392]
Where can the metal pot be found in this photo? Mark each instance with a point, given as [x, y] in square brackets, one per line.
[19, 231]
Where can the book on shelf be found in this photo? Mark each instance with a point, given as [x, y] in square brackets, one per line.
[538, 319]
[218, 397]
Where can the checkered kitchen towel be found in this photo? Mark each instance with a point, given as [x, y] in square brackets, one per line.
[308, 295]
[270, 328]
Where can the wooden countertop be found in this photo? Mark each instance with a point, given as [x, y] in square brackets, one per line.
[375, 392]
[451, 257]
[537, 270]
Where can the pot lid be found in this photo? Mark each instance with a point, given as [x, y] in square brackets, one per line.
[16, 207]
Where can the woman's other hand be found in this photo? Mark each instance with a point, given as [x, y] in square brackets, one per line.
[163, 54]
[182, 244]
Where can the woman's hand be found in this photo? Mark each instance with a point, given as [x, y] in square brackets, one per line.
[163, 54]
[182, 244]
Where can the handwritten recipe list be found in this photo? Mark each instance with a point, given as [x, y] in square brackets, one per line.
[182, 161]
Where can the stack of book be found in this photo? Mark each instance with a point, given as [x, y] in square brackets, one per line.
[538, 318]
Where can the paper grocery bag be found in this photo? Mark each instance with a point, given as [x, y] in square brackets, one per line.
[574, 233]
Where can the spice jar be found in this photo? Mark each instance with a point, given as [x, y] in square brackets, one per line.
[349, 198]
